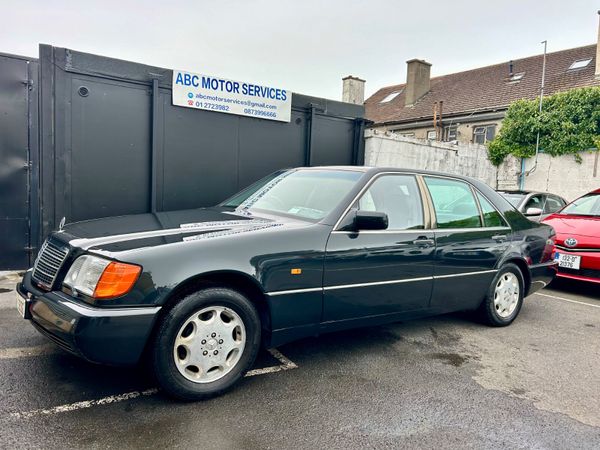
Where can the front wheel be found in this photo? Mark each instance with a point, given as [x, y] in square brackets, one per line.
[205, 343]
[504, 298]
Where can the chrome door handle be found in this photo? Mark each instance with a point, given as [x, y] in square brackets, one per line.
[424, 242]
[499, 237]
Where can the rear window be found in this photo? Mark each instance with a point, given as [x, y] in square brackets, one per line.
[513, 199]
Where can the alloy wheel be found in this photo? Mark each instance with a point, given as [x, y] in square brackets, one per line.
[209, 344]
[506, 294]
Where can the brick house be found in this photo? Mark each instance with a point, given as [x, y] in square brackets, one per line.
[469, 106]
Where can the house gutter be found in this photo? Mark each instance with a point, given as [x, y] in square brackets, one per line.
[463, 118]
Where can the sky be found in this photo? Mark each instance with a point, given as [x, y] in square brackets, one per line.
[305, 46]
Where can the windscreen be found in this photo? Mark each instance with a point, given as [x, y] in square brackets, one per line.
[588, 205]
[304, 193]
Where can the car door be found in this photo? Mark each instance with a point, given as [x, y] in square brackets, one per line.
[374, 273]
[471, 237]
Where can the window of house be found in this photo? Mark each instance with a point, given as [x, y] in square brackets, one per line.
[515, 77]
[390, 97]
[398, 196]
[432, 135]
[453, 202]
[450, 133]
[484, 133]
[580, 64]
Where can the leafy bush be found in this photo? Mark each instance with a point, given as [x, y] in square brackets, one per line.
[569, 123]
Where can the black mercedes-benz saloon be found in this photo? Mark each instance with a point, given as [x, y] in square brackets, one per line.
[302, 252]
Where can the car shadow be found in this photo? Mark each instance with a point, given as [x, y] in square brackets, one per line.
[583, 288]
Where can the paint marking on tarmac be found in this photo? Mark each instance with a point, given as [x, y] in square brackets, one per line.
[84, 404]
[567, 300]
[286, 364]
[25, 352]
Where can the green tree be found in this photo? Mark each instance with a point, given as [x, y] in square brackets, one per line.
[569, 123]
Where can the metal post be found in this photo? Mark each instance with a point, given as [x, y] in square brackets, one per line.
[537, 139]
[309, 137]
[154, 150]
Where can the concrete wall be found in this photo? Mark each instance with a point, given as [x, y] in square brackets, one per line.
[561, 175]
[390, 149]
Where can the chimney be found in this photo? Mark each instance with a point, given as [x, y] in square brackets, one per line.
[598, 49]
[417, 80]
[353, 90]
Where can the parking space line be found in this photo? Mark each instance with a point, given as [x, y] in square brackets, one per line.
[567, 300]
[84, 404]
[25, 352]
[286, 364]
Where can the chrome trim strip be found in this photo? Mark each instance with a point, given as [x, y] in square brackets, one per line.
[576, 249]
[456, 230]
[419, 230]
[112, 312]
[377, 283]
[479, 272]
[294, 291]
[550, 263]
[89, 312]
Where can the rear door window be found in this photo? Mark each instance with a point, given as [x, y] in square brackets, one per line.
[491, 217]
[454, 203]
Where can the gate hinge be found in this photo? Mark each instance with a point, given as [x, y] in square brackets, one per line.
[29, 249]
[28, 83]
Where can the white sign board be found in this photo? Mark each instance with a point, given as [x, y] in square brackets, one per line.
[194, 90]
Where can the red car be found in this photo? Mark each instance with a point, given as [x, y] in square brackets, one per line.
[577, 247]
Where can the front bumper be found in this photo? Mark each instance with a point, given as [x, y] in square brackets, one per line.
[115, 336]
[589, 269]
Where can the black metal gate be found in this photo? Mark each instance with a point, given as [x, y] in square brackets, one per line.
[112, 143]
[18, 109]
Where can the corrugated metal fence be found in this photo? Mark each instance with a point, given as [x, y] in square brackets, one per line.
[109, 142]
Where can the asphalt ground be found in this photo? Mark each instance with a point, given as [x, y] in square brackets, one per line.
[443, 382]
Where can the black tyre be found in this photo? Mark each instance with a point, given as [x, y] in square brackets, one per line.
[205, 343]
[504, 298]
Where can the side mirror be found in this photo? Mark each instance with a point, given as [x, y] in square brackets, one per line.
[370, 220]
[533, 212]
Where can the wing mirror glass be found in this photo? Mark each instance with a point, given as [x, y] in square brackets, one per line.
[370, 220]
[533, 212]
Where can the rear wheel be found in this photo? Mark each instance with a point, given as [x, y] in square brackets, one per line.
[504, 298]
[206, 343]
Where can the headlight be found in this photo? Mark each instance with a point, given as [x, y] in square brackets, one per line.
[100, 278]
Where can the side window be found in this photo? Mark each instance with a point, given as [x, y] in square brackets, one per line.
[397, 196]
[454, 204]
[534, 202]
[553, 204]
[491, 217]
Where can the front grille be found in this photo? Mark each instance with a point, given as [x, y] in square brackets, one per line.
[572, 249]
[590, 273]
[48, 263]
